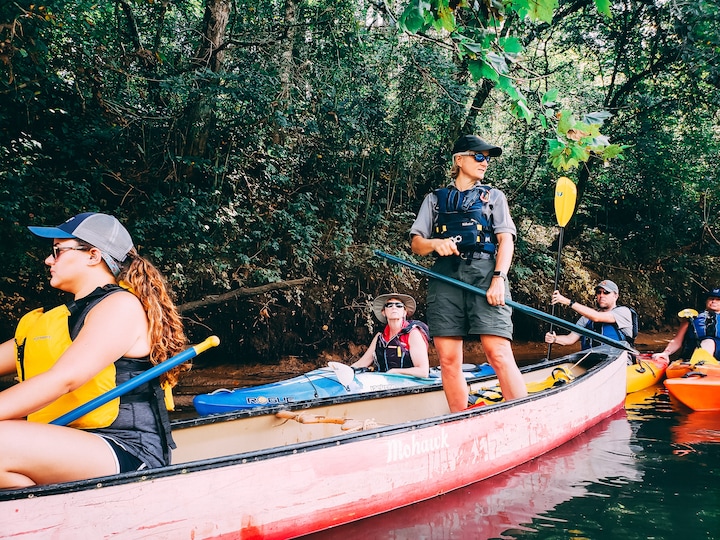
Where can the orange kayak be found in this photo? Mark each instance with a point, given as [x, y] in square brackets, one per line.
[697, 391]
[644, 372]
[701, 360]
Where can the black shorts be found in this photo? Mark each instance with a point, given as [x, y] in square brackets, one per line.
[127, 461]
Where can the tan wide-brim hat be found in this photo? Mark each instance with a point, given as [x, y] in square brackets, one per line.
[379, 304]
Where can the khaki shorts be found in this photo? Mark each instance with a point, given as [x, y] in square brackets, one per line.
[452, 311]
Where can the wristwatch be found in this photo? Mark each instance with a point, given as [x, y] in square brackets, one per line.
[498, 273]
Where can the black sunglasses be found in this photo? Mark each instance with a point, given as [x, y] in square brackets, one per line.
[57, 250]
[394, 304]
[478, 157]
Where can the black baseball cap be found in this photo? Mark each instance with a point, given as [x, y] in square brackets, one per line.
[474, 143]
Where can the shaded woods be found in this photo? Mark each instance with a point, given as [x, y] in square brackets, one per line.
[260, 151]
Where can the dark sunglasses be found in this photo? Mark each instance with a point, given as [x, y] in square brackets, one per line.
[57, 250]
[394, 304]
[602, 291]
[479, 157]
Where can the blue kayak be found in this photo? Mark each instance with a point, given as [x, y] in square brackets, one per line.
[316, 384]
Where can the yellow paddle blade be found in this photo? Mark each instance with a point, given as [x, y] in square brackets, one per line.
[688, 313]
[701, 355]
[565, 196]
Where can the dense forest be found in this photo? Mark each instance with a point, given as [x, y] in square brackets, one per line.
[259, 152]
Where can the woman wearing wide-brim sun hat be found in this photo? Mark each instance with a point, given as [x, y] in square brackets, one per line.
[390, 350]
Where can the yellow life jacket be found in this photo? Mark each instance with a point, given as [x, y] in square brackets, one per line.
[40, 339]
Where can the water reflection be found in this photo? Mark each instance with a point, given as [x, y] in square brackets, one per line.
[507, 504]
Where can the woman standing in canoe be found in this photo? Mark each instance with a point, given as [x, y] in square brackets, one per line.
[77, 351]
[467, 226]
[402, 347]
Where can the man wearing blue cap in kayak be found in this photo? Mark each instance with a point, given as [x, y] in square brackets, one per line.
[705, 333]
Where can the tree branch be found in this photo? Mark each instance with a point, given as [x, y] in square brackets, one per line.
[240, 293]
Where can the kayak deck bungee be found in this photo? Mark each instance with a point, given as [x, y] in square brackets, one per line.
[317, 384]
[645, 372]
[700, 360]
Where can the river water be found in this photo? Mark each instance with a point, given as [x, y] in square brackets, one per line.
[650, 471]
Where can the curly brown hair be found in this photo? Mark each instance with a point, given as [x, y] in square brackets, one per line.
[167, 335]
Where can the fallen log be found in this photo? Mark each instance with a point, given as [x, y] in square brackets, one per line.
[240, 293]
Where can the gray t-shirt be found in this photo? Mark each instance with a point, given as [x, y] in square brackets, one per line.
[496, 211]
[623, 319]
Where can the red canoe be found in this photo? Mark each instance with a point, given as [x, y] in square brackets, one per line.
[286, 472]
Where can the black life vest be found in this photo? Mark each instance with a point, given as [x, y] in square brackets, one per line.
[395, 352]
[460, 216]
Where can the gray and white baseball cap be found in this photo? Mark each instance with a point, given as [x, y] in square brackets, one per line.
[102, 231]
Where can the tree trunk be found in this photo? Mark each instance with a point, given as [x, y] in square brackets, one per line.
[200, 114]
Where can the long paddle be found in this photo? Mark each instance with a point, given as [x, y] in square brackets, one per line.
[565, 197]
[124, 388]
[546, 317]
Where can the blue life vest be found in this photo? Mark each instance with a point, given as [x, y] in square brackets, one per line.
[611, 330]
[706, 325]
[395, 353]
[460, 216]
[703, 326]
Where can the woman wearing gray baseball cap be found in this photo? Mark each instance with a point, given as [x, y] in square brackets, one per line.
[64, 357]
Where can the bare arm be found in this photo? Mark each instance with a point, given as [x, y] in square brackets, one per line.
[503, 258]
[567, 339]
[425, 246]
[586, 311]
[367, 359]
[676, 342]
[116, 327]
[7, 357]
[418, 353]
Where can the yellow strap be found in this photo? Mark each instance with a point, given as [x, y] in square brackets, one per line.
[169, 401]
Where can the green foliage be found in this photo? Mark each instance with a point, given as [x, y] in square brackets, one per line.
[310, 139]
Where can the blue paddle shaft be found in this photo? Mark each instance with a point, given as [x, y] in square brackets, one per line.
[136, 381]
[536, 313]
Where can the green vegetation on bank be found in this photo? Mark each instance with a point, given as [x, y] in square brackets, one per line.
[249, 144]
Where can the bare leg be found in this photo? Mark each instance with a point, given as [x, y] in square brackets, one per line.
[498, 351]
[450, 354]
[708, 345]
[33, 453]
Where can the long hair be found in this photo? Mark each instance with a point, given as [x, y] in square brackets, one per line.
[167, 336]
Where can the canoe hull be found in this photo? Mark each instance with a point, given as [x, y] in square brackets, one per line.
[289, 491]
